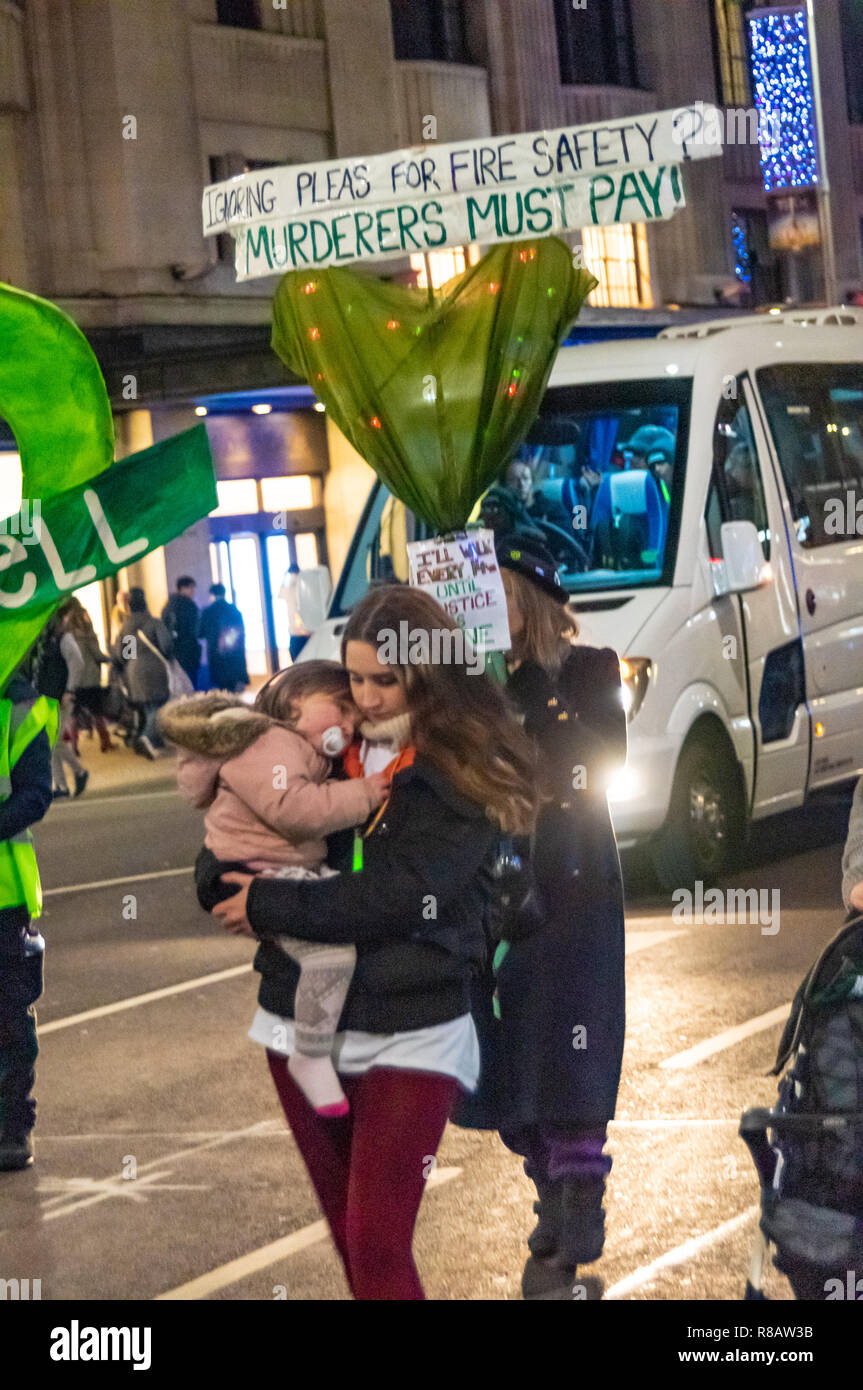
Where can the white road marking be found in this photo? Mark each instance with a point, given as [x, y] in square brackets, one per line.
[687, 1251]
[642, 940]
[132, 1189]
[132, 1003]
[671, 1122]
[693, 1055]
[119, 796]
[112, 882]
[109, 1184]
[256, 1260]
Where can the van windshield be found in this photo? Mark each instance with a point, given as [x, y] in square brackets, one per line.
[599, 479]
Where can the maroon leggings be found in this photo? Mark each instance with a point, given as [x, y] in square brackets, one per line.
[369, 1168]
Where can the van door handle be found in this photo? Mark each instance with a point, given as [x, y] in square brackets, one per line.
[810, 601]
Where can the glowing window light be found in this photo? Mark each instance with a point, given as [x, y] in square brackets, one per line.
[288, 494]
[11, 486]
[782, 84]
[444, 264]
[617, 256]
[237, 497]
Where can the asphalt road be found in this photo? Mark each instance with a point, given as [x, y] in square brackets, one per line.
[164, 1168]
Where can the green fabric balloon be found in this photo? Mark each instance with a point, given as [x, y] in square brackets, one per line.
[52, 394]
[436, 397]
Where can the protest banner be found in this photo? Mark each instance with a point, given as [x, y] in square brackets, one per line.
[89, 531]
[403, 228]
[500, 188]
[460, 572]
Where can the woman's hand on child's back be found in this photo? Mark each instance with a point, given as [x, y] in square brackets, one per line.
[380, 786]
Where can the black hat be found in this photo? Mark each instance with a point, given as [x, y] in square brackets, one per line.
[530, 558]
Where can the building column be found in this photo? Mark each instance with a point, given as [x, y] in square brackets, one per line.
[361, 63]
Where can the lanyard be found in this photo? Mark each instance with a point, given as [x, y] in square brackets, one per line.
[403, 759]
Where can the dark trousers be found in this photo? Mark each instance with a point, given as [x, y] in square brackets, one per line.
[369, 1168]
[20, 987]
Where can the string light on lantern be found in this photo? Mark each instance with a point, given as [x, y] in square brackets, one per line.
[782, 87]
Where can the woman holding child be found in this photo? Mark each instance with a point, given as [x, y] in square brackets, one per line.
[411, 904]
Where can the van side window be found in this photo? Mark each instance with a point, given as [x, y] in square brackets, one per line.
[736, 492]
[815, 412]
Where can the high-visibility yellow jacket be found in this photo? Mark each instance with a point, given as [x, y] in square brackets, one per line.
[19, 874]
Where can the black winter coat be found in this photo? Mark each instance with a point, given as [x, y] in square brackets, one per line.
[567, 972]
[432, 852]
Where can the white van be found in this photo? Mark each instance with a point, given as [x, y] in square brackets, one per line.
[713, 480]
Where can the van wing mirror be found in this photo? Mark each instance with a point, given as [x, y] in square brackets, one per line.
[743, 565]
[314, 587]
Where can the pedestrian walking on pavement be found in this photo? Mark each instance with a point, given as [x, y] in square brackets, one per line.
[28, 724]
[84, 660]
[182, 617]
[560, 983]
[141, 652]
[222, 630]
[52, 680]
[414, 900]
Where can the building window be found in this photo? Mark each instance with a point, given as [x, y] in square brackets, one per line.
[238, 14]
[617, 256]
[432, 30]
[851, 20]
[731, 51]
[595, 44]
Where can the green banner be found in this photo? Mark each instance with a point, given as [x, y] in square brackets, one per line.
[58, 543]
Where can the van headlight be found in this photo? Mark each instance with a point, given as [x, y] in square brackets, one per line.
[634, 679]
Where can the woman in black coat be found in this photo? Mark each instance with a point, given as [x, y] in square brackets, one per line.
[561, 982]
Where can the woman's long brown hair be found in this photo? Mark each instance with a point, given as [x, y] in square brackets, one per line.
[550, 628]
[460, 722]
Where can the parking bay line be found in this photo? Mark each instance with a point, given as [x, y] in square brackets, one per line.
[103, 1010]
[256, 1260]
[680, 1254]
[112, 882]
[731, 1036]
[642, 940]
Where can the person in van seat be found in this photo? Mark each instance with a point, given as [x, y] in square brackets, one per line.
[653, 447]
[518, 479]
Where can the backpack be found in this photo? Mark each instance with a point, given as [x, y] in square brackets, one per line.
[813, 1211]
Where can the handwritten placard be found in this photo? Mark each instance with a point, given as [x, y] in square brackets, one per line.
[401, 229]
[461, 572]
[496, 189]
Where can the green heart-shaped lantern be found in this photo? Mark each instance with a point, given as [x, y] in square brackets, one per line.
[436, 397]
[94, 515]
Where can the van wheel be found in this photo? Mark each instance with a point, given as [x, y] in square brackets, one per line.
[703, 830]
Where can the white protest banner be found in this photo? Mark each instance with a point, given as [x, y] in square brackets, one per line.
[461, 572]
[397, 229]
[443, 171]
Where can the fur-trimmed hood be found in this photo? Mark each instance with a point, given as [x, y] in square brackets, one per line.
[216, 725]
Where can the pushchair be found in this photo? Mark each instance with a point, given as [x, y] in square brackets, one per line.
[808, 1150]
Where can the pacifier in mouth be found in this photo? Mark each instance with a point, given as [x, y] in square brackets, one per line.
[333, 741]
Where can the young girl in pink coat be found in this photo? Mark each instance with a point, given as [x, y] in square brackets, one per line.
[263, 773]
